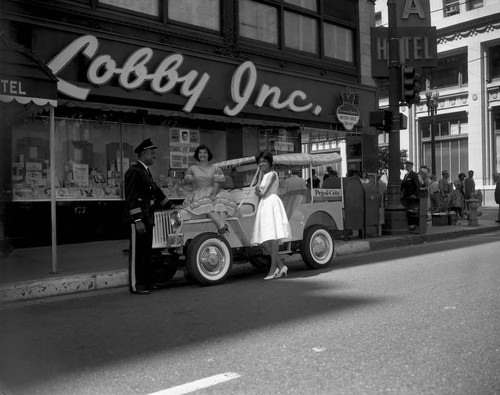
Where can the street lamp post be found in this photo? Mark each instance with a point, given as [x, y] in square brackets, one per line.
[432, 97]
[396, 222]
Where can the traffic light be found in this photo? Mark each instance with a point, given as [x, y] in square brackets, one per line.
[382, 120]
[410, 85]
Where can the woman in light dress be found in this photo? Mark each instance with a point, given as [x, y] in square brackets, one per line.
[207, 197]
[364, 177]
[271, 222]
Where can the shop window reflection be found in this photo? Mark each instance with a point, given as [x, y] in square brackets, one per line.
[88, 164]
[30, 160]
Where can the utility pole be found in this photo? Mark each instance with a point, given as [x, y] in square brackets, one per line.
[396, 222]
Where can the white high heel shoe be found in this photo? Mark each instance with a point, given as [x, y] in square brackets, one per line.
[271, 276]
[283, 271]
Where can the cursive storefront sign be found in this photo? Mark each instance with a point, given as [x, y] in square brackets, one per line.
[137, 70]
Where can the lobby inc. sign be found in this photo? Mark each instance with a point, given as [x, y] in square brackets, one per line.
[170, 75]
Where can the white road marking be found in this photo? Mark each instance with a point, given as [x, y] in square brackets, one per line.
[198, 384]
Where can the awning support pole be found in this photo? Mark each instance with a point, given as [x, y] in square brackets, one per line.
[53, 189]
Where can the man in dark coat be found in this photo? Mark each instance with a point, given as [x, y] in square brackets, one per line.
[142, 196]
[496, 177]
[410, 186]
[469, 185]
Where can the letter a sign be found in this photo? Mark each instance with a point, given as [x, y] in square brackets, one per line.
[413, 13]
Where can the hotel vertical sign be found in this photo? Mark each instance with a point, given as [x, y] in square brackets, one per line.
[417, 38]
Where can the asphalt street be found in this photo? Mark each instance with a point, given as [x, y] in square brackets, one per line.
[420, 320]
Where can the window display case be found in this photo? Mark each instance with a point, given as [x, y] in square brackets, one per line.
[92, 158]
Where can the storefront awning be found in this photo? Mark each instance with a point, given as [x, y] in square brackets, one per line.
[179, 114]
[293, 159]
[23, 78]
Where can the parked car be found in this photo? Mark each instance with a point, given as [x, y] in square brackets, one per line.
[182, 239]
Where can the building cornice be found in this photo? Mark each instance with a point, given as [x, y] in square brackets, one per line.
[469, 29]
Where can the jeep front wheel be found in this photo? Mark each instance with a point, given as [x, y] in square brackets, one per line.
[317, 248]
[208, 259]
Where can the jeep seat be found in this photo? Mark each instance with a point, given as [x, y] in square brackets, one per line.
[293, 199]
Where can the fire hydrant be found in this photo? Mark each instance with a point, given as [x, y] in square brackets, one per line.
[474, 213]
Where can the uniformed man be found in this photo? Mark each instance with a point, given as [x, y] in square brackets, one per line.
[410, 186]
[143, 196]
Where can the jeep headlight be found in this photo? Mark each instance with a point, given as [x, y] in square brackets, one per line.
[175, 219]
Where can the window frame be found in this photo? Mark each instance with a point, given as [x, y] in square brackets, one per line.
[451, 8]
[122, 10]
[321, 19]
[462, 70]
[162, 17]
[492, 62]
[173, 22]
[471, 5]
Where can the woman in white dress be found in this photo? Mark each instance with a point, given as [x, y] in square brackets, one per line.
[271, 222]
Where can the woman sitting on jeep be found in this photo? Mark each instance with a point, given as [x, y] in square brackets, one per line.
[208, 198]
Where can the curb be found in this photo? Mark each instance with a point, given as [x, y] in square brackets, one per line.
[413, 239]
[64, 285]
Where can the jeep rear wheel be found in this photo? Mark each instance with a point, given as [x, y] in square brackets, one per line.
[317, 248]
[209, 259]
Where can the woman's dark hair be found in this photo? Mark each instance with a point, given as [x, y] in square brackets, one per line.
[462, 175]
[200, 147]
[266, 155]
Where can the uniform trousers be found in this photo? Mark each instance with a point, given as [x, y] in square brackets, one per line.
[141, 275]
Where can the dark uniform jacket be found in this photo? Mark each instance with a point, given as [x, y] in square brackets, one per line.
[142, 195]
[497, 193]
[410, 185]
[469, 187]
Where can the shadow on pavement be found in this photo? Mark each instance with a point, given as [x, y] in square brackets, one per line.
[64, 337]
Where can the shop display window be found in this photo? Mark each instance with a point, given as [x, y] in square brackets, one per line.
[30, 160]
[88, 159]
[91, 158]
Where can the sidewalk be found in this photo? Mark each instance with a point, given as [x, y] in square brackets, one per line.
[26, 273]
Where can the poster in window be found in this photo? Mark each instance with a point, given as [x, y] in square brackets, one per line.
[174, 136]
[81, 174]
[194, 138]
[17, 172]
[34, 173]
[177, 160]
[184, 138]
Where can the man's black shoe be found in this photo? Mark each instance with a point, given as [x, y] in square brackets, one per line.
[141, 292]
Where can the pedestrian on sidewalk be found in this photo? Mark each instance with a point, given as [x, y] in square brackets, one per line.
[410, 186]
[313, 181]
[434, 198]
[497, 194]
[445, 187]
[457, 197]
[142, 197]
[469, 185]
